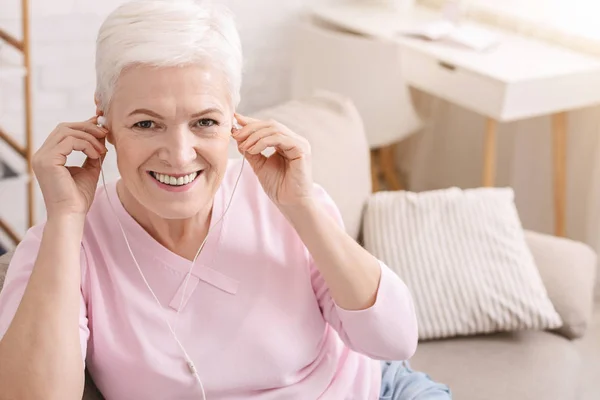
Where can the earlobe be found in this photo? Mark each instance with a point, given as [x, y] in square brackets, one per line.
[109, 137]
[97, 103]
[102, 122]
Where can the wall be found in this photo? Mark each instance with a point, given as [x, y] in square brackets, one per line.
[449, 153]
[63, 34]
[63, 45]
[524, 155]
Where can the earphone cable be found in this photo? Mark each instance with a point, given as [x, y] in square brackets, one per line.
[190, 363]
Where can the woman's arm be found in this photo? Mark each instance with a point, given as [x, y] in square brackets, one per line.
[40, 353]
[352, 274]
[366, 303]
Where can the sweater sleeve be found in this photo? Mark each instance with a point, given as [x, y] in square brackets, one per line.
[17, 278]
[385, 331]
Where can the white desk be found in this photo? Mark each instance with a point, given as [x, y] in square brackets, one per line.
[520, 78]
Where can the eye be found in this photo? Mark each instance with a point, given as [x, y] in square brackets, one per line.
[206, 123]
[145, 124]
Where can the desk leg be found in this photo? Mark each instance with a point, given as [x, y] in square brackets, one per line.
[559, 149]
[388, 167]
[375, 187]
[489, 153]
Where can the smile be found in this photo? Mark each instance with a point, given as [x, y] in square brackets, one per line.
[178, 180]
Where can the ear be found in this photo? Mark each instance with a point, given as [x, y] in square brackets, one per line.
[97, 103]
[109, 138]
[235, 125]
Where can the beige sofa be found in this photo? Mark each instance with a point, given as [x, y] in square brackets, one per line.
[512, 366]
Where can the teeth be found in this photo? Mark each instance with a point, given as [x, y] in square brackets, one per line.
[171, 180]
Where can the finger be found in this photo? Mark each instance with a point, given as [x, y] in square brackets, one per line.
[93, 119]
[70, 144]
[256, 136]
[89, 127]
[65, 129]
[93, 165]
[288, 146]
[244, 120]
[97, 143]
[256, 161]
[242, 134]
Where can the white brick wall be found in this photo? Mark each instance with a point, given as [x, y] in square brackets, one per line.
[63, 35]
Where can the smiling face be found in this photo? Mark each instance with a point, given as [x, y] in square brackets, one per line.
[171, 127]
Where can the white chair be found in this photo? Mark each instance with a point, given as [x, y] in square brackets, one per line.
[366, 71]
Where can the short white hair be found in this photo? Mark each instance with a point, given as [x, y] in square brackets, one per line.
[165, 33]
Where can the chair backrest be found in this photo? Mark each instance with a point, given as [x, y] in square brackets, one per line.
[366, 70]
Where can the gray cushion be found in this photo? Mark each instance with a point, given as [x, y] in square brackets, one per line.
[568, 270]
[90, 391]
[528, 365]
[589, 348]
[4, 261]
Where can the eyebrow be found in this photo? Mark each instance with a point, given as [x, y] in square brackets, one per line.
[156, 115]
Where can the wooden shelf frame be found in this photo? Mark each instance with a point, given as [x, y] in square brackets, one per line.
[26, 152]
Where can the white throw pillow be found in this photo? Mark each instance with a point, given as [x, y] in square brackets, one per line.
[464, 257]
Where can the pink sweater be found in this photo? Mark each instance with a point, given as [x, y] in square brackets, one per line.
[257, 318]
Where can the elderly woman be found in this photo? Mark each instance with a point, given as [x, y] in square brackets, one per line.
[192, 277]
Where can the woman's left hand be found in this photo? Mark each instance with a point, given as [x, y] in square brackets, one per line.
[286, 175]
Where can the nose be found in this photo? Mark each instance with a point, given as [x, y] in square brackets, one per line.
[178, 150]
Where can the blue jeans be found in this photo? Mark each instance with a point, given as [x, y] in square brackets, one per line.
[399, 382]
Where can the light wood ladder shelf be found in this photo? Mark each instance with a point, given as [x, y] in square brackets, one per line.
[24, 151]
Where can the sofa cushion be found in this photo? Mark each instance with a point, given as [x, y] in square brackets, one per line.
[463, 255]
[529, 365]
[568, 269]
[589, 348]
[340, 154]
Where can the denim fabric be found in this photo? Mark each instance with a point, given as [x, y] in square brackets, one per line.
[399, 382]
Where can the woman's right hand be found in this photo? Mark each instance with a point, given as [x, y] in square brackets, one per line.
[70, 190]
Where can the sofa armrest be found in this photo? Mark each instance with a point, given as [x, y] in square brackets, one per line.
[568, 270]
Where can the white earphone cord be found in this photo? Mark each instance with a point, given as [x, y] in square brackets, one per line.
[187, 357]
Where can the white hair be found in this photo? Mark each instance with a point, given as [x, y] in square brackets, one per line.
[164, 33]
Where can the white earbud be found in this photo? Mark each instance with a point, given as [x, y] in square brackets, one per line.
[236, 124]
[102, 120]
